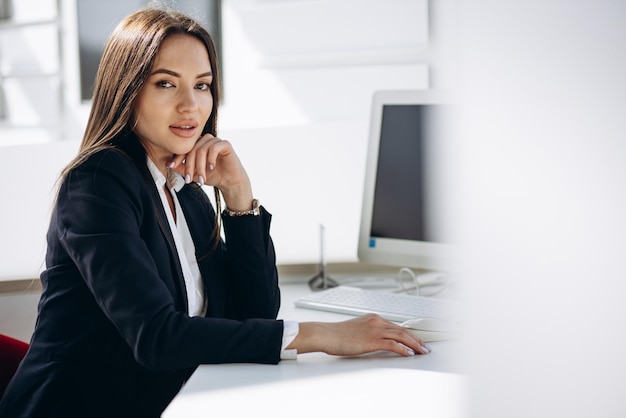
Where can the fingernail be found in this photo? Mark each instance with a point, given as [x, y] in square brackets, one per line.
[187, 179]
[211, 167]
[410, 352]
[201, 180]
[171, 164]
[425, 349]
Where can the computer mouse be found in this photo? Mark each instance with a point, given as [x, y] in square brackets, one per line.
[432, 329]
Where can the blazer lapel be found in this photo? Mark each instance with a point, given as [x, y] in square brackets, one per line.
[138, 155]
[159, 213]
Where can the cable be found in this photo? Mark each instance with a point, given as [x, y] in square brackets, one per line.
[401, 281]
[440, 281]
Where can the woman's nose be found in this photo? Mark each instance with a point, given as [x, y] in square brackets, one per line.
[187, 101]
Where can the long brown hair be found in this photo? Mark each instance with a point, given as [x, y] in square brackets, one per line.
[124, 67]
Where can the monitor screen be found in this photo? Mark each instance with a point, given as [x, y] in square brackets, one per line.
[400, 222]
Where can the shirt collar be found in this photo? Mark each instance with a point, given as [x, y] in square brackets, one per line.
[174, 180]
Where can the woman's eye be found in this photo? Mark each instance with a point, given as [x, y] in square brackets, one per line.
[203, 86]
[164, 84]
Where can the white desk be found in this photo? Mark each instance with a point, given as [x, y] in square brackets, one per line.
[319, 385]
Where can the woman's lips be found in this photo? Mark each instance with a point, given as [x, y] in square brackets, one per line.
[184, 130]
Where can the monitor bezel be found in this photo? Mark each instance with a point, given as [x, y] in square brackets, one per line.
[424, 255]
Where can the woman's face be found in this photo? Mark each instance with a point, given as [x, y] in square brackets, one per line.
[175, 102]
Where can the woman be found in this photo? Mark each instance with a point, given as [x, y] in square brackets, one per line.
[139, 288]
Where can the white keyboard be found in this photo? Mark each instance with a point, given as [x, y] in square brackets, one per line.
[392, 306]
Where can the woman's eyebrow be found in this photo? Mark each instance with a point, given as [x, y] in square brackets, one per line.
[175, 74]
[164, 71]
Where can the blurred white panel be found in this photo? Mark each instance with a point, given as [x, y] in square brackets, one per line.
[541, 179]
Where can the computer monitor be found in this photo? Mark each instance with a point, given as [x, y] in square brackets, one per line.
[404, 180]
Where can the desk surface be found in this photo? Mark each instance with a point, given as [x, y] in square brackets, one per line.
[316, 384]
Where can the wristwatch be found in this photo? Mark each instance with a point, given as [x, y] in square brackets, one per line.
[255, 211]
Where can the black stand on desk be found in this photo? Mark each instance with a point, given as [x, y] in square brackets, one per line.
[321, 280]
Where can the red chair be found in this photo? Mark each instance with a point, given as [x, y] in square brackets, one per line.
[12, 352]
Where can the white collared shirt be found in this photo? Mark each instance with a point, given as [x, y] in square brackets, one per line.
[182, 239]
[187, 254]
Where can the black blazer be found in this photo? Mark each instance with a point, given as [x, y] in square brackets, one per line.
[113, 337]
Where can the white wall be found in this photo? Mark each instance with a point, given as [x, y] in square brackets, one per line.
[305, 62]
[543, 203]
[28, 190]
[298, 83]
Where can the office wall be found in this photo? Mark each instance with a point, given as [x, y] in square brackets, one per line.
[298, 82]
[290, 63]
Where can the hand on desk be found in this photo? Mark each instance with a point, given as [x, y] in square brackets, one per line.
[361, 335]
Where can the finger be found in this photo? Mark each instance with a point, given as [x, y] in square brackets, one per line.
[176, 162]
[409, 350]
[394, 337]
[398, 348]
[406, 338]
[190, 165]
[186, 164]
[212, 140]
[414, 342]
[217, 149]
[207, 157]
[179, 164]
[200, 165]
